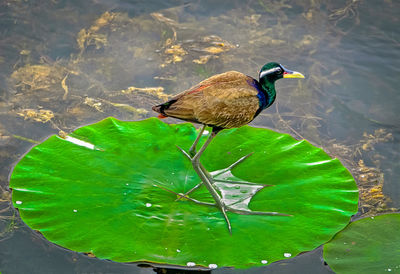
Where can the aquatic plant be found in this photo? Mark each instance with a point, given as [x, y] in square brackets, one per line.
[368, 245]
[104, 190]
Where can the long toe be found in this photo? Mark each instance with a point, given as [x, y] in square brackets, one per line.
[250, 212]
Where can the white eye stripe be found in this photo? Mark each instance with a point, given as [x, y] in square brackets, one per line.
[266, 72]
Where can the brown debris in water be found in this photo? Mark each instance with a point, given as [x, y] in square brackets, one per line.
[211, 46]
[92, 36]
[90, 254]
[37, 77]
[372, 199]
[175, 54]
[156, 91]
[370, 179]
[379, 136]
[94, 103]
[5, 195]
[41, 115]
[127, 108]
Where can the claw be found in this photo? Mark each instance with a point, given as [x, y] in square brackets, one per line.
[240, 160]
[239, 182]
[227, 220]
[190, 191]
[186, 197]
[194, 188]
[246, 212]
[184, 153]
[229, 168]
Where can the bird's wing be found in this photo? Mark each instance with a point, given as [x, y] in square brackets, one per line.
[230, 111]
[228, 85]
[225, 100]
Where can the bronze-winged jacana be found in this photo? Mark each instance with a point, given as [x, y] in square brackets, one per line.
[227, 100]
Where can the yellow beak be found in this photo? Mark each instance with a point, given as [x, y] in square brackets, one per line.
[292, 74]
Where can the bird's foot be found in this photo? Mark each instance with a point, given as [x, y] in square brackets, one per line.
[230, 193]
[181, 195]
[191, 151]
[251, 212]
[238, 207]
[222, 175]
[221, 204]
[225, 175]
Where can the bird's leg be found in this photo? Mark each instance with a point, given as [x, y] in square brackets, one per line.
[192, 150]
[207, 183]
[192, 153]
[210, 182]
[213, 176]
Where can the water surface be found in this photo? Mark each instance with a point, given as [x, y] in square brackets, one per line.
[65, 64]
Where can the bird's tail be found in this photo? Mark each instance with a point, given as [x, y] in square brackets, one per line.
[159, 109]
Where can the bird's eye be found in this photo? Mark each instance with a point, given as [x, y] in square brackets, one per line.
[279, 70]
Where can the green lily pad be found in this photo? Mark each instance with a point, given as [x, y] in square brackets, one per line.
[94, 192]
[369, 245]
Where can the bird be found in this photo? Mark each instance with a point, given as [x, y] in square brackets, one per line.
[223, 101]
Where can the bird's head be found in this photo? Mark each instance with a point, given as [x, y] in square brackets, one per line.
[273, 71]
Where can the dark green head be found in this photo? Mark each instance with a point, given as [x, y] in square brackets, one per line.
[273, 71]
[268, 75]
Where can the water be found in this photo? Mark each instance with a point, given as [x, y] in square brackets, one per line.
[55, 76]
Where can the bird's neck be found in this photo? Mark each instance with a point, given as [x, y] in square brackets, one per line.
[268, 88]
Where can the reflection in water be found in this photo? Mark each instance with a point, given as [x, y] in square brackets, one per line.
[64, 64]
